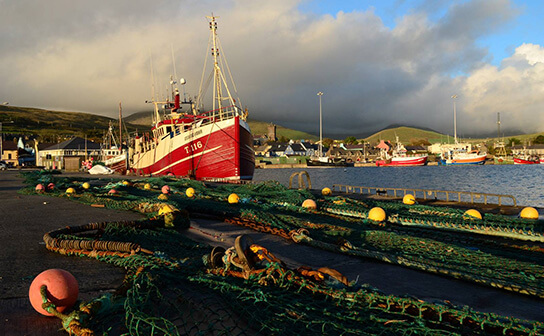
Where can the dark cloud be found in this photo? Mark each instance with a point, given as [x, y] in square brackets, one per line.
[88, 56]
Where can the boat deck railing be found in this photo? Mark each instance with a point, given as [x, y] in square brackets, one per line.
[445, 195]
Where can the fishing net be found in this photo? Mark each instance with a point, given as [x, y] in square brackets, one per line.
[175, 286]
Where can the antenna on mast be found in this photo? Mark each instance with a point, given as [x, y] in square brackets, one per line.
[498, 126]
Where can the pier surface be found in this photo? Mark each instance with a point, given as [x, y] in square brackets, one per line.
[25, 218]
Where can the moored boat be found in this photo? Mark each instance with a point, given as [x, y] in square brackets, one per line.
[526, 160]
[459, 153]
[399, 157]
[212, 145]
[457, 157]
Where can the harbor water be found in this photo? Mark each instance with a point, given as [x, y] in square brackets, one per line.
[524, 182]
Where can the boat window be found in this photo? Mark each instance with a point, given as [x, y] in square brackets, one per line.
[168, 129]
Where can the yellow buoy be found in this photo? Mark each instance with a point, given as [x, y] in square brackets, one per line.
[86, 185]
[126, 183]
[473, 213]
[309, 204]
[409, 199]
[377, 214]
[529, 213]
[162, 197]
[233, 198]
[326, 191]
[70, 190]
[165, 209]
[190, 192]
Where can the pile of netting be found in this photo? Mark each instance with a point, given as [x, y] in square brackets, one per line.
[176, 286]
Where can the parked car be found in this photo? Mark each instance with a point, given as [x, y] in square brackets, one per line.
[3, 165]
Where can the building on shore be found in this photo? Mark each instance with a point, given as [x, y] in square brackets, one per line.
[69, 154]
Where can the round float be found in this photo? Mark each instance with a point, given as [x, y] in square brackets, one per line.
[473, 213]
[409, 199]
[377, 214]
[529, 213]
[62, 290]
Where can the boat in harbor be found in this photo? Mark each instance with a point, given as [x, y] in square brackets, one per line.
[459, 156]
[527, 160]
[211, 145]
[113, 154]
[399, 157]
[325, 161]
[460, 153]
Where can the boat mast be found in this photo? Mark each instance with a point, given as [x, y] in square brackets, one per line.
[320, 126]
[120, 128]
[454, 119]
[216, 69]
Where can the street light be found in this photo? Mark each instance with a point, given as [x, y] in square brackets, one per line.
[454, 118]
[320, 126]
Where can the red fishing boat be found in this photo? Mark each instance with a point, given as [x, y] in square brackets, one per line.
[399, 157]
[212, 145]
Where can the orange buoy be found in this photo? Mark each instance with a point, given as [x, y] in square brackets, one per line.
[40, 188]
[112, 192]
[377, 214]
[165, 189]
[190, 192]
[62, 290]
[233, 198]
[309, 204]
[409, 199]
[527, 213]
[51, 186]
[472, 213]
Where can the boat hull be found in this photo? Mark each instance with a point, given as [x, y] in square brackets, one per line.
[317, 163]
[465, 160]
[217, 151]
[524, 161]
[408, 161]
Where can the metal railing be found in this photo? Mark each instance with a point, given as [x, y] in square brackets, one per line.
[445, 195]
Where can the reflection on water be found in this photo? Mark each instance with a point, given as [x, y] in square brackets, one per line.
[524, 182]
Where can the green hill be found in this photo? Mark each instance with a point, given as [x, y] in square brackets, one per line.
[407, 135]
[261, 128]
[257, 127]
[52, 126]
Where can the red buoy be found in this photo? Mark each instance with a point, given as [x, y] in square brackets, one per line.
[40, 188]
[165, 189]
[62, 290]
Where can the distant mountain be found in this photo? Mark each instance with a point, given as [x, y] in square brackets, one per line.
[139, 118]
[53, 126]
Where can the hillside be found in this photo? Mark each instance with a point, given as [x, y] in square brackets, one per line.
[407, 135]
[261, 128]
[52, 126]
[257, 127]
[139, 118]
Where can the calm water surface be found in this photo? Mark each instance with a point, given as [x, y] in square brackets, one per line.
[525, 182]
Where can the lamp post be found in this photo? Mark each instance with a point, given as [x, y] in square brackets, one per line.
[320, 126]
[454, 119]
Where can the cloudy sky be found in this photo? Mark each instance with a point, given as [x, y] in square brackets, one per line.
[377, 62]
